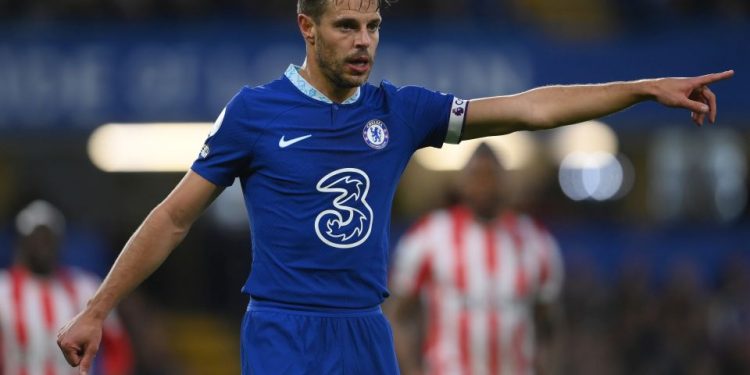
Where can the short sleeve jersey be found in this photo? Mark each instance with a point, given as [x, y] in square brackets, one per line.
[319, 179]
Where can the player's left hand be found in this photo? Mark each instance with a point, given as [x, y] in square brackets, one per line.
[79, 341]
[691, 93]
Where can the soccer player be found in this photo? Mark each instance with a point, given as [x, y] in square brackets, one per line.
[485, 274]
[318, 153]
[37, 296]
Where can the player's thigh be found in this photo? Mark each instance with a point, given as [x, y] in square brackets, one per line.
[369, 348]
[292, 344]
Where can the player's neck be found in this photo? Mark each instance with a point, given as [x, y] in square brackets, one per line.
[317, 79]
[38, 272]
[486, 215]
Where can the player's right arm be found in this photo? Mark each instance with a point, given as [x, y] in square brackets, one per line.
[162, 230]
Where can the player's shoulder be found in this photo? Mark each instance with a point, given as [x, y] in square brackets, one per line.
[523, 220]
[435, 218]
[403, 100]
[275, 89]
[387, 88]
[7, 274]
[533, 226]
[253, 104]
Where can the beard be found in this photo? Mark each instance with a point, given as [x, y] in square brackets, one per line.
[334, 68]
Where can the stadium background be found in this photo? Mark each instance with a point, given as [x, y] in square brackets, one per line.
[656, 265]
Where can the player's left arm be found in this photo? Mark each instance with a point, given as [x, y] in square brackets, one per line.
[552, 106]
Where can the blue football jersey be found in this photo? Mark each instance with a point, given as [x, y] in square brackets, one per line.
[319, 179]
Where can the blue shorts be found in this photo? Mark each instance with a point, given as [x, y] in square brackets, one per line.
[280, 340]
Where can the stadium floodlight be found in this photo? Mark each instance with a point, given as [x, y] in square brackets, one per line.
[597, 176]
[587, 137]
[515, 150]
[590, 165]
[147, 147]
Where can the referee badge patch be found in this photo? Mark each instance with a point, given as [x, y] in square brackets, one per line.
[375, 134]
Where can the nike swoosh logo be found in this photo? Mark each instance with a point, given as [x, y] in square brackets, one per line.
[283, 143]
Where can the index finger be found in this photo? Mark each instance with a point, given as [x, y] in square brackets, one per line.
[72, 355]
[87, 360]
[715, 77]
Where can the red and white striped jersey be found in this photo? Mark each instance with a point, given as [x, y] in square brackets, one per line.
[33, 309]
[478, 283]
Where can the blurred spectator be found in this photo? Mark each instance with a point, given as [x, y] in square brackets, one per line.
[589, 349]
[638, 326]
[489, 279]
[634, 316]
[39, 296]
[683, 323]
[729, 317]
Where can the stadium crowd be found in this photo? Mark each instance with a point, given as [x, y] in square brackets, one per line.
[501, 11]
[684, 324]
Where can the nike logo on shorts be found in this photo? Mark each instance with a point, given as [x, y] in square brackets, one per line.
[284, 143]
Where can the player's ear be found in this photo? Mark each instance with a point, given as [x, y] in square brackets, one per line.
[306, 27]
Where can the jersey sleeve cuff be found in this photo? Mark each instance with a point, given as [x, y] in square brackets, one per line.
[211, 177]
[456, 121]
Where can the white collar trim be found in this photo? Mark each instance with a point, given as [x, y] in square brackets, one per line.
[292, 73]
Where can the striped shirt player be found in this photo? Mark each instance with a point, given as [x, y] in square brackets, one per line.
[478, 283]
[33, 308]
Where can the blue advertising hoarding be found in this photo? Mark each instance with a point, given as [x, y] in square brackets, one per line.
[80, 76]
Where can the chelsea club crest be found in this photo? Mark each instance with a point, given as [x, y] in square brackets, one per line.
[375, 134]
